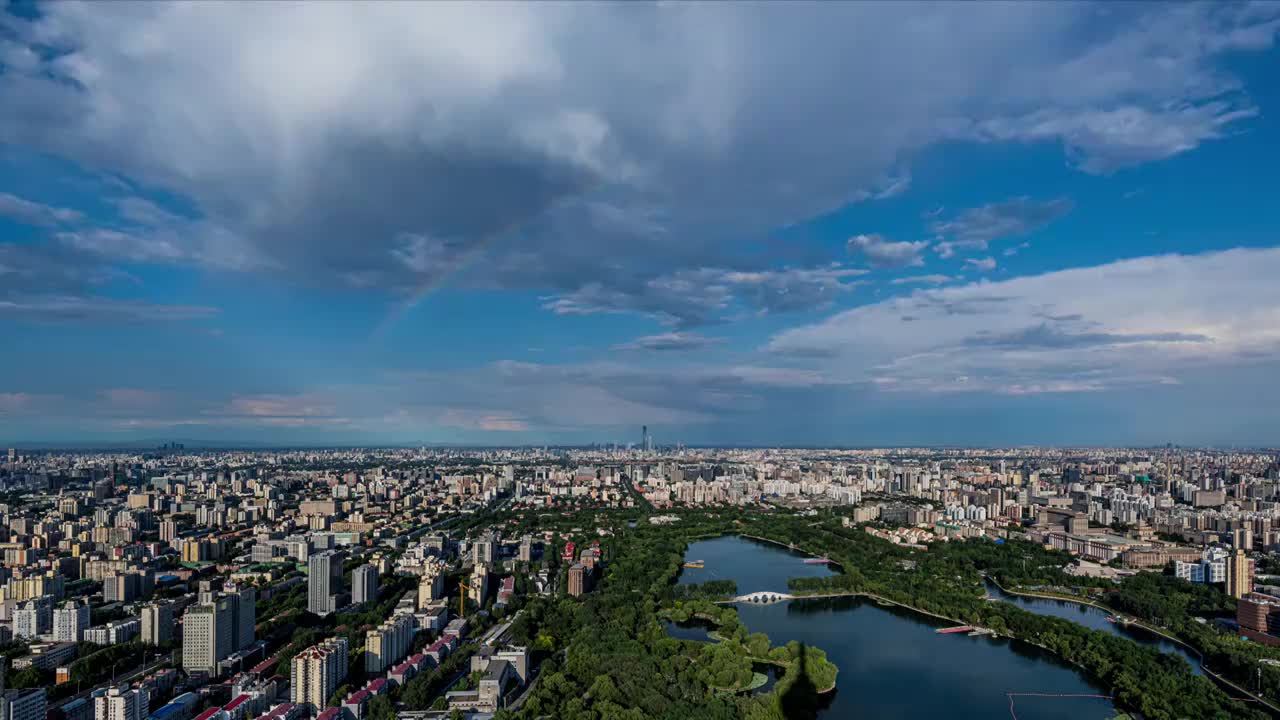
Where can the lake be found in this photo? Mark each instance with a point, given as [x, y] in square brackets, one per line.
[1095, 619]
[892, 663]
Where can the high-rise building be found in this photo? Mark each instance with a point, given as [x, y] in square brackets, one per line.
[168, 530]
[23, 704]
[431, 584]
[208, 632]
[478, 584]
[316, 672]
[128, 586]
[122, 703]
[34, 618]
[157, 623]
[70, 621]
[244, 607]
[577, 579]
[646, 442]
[324, 582]
[364, 584]
[388, 643]
[482, 551]
[13, 455]
[526, 549]
[1239, 574]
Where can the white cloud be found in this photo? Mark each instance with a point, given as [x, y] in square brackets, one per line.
[985, 264]
[976, 228]
[34, 213]
[1140, 321]
[923, 280]
[704, 295]
[884, 253]
[672, 341]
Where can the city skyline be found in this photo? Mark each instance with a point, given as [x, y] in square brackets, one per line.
[921, 225]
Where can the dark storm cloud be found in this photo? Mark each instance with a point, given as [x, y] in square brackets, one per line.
[597, 153]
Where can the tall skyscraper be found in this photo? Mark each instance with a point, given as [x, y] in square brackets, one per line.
[1239, 574]
[364, 584]
[324, 582]
[316, 672]
[646, 442]
[244, 606]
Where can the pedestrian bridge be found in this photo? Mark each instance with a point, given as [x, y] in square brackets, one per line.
[763, 598]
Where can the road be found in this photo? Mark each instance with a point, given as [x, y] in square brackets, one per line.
[127, 677]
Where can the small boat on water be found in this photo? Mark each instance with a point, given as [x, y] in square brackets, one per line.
[816, 561]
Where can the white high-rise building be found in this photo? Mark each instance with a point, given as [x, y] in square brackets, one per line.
[208, 631]
[70, 621]
[316, 672]
[33, 619]
[122, 703]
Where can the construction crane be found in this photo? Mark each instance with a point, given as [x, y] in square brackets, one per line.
[462, 598]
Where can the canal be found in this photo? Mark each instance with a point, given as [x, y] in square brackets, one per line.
[892, 662]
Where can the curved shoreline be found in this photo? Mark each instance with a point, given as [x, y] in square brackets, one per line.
[1085, 671]
[1155, 631]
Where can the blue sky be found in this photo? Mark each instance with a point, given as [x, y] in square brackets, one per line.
[846, 224]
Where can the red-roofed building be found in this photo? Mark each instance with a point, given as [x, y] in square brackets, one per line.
[212, 714]
[403, 673]
[355, 704]
[237, 707]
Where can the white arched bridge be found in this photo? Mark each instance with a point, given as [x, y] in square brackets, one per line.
[763, 598]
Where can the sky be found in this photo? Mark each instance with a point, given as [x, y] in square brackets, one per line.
[849, 224]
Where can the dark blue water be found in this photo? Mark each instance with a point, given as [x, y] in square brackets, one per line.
[892, 663]
[692, 629]
[1096, 619]
[729, 558]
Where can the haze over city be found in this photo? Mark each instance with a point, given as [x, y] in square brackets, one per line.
[505, 224]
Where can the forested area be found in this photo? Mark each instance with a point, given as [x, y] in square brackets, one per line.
[607, 655]
[946, 580]
[710, 590]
